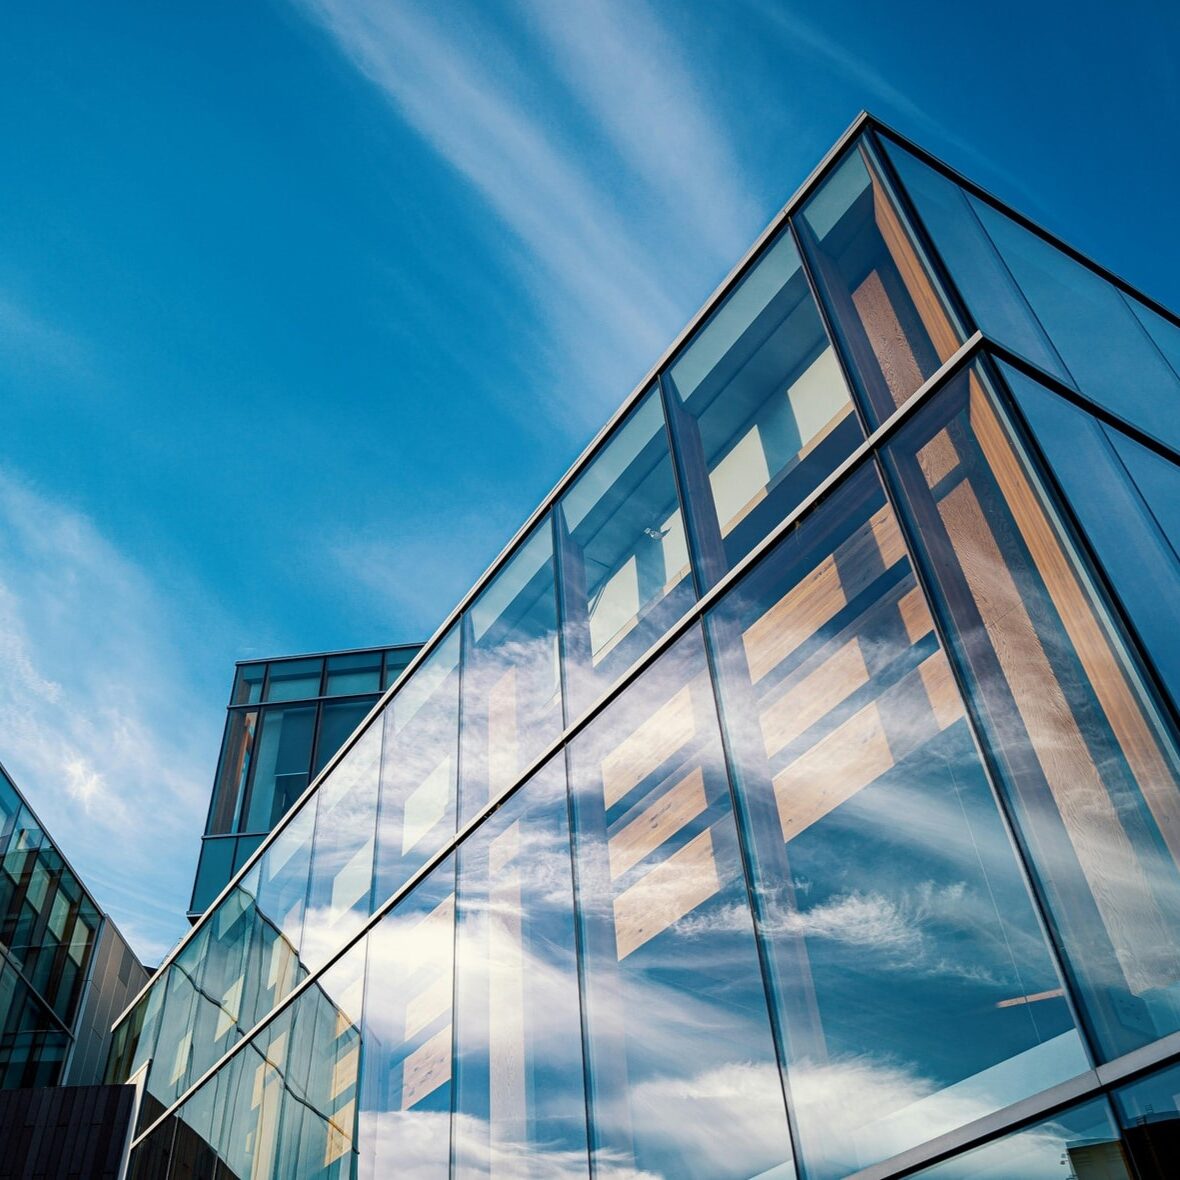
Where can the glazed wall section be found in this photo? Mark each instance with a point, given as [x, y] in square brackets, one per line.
[801, 788]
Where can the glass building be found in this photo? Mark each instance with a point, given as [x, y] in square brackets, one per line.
[286, 718]
[65, 970]
[796, 796]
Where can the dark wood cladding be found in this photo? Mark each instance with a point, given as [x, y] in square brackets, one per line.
[64, 1133]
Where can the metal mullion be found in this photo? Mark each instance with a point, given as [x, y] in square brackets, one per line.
[954, 364]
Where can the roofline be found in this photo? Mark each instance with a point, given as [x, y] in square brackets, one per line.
[315, 655]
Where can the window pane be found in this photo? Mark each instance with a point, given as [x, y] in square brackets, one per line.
[1126, 497]
[405, 1096]
[682, 1068]
[890, 317]
[340, 891]
[213, 872]
[1149, 1111]
[520, 1103]
[294, 680]
[418, 768]
[624, 558]
[1088, 765]
[236, 758]
[768, 414]
[354, 673]
[1112, 358]
[886, 878]
[1078, 1144]
[396, 662]
[511, 685]
[337, 724]
[995, 301]
[248, 684]
[280, 766]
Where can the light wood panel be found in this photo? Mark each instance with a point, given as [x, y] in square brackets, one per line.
[427, 1068]
[1107, 859]
[822, 593]
[887, 337]
[658, 738]
[674, 888]
[661, 820]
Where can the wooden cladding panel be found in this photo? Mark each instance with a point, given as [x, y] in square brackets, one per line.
[822, 593]
[657, 739]
[887, 337]
[675, 808]
[1136, 929]
[427, 1068]
[674, 888]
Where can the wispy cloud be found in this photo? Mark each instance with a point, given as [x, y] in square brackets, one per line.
[99, 722]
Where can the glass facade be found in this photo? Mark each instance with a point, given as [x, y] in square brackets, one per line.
[797, 798]
[287, 718]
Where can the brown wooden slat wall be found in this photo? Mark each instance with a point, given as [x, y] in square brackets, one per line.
[63, 1132]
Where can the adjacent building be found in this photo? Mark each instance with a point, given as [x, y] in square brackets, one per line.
[796, 796]
[286, 718]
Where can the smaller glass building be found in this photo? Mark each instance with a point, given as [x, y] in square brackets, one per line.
[287, 717]
[65, 970]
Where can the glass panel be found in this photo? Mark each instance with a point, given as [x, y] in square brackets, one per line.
[1088, 765]
[1112, 358]
[280, 766]
[991, 294]
[237, 755]
[405, 1089]
[337, 723]
[1127, 499]
[624, 558]
[511, 684]
[1149, 1111]
[889, 315]
[354, 673]
[682, 1068]
[342, 856]
[1078, 1144]
[245, 849]
[767, 414]
[294, 680]
[248, 684]
[214, 870]
[520, 1103]
[1164, 333]
[396, 662]
[886, 879]
[418, 769]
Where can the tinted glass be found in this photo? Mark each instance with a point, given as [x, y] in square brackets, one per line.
[357, 672]
[213, 871]
[887, 881]
[405, 1096]
[294, 680]
[1149, 1112]
[418, 769]
[248, 684]
[1078, 1144]
[280, 766]
[1127, 499]
[1089, 767]
[237, 756]
[520, 1104]
[337, 723]
[626, 575]
[889, 315]
[511, 682]
[681, 1064]
[396, 663]
[760, 409]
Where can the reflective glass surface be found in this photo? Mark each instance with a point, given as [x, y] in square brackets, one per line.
[405, 1085]
[294, 680]
[1078, 1144]
[511, 681]
[418, 769]
[337, 723]
[623, 556]
[248, 684]
[1089, 767]
[237, 754]
[353, 673]
[760, 409]
[681, 1063]
[1127, 499]
[520, 1105]
[280, 766]
[1149, 1113]
[886, 880]
[887, 311]
[214, 869]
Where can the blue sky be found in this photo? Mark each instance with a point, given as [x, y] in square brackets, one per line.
[304, 304]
